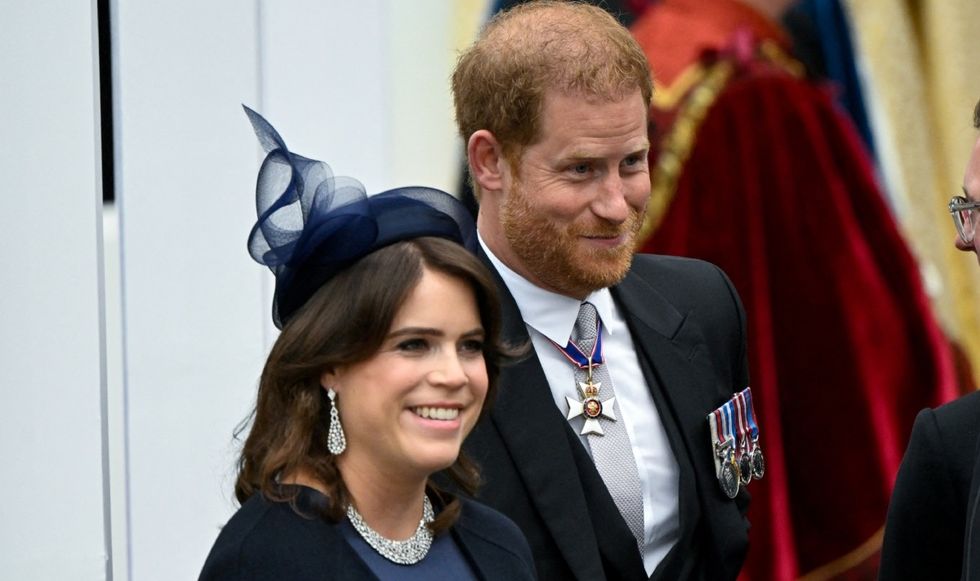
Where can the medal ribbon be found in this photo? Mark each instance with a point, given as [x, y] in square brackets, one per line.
[714, 421]
[721, 428]
[577, 357]
[750, 413]
[741, 413]
[729, 424]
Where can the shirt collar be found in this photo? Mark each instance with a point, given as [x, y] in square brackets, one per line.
[551, 314]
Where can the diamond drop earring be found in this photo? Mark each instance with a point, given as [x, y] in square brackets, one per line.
[336, 441]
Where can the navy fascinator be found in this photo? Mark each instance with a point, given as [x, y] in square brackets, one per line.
[311, 224]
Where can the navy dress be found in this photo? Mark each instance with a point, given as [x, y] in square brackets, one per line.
[267, 540]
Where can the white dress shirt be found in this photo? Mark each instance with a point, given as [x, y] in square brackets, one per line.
[552, 316]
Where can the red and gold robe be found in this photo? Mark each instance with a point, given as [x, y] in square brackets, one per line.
[755, 169]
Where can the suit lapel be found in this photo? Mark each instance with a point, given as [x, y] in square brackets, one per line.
[675, 348]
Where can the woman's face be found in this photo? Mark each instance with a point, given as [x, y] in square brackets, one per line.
[406, 410]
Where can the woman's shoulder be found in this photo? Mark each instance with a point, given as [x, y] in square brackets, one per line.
[474, 513]
[495, 541]
[275, 540]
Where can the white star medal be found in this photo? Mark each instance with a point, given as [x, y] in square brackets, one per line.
[591, 407]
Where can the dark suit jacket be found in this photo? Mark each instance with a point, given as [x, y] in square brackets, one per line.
[933, 525]
[688, 327]
[270, 541]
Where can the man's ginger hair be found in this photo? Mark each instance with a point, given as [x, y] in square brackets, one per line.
[500, 81]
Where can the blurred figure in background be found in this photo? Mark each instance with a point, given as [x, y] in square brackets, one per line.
[753, 168]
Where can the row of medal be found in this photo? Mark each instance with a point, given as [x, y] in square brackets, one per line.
[735, 439]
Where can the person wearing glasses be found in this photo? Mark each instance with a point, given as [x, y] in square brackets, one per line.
[933, 525]
[964, 208]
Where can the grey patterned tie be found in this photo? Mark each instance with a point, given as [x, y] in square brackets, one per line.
[606, 432]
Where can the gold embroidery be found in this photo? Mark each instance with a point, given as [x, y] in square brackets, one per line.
[701, 85]
[677, 144]
[773, 53]
[849, 561]
[667, 97]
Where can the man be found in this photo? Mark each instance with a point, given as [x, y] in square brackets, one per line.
[933, 525]
[609, 469]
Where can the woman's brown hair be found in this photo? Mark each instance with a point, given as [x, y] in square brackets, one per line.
[346, 322]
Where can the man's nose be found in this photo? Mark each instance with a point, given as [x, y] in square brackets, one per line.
[611, 202]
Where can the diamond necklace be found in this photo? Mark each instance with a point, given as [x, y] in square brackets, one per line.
[407, 552]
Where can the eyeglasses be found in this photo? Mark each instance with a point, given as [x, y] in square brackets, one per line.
[962, 211]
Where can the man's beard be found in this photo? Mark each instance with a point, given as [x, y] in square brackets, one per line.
[556, 256]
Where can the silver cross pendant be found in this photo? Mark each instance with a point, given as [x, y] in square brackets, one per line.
[591, 407]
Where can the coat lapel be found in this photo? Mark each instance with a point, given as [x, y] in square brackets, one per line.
[675, 347]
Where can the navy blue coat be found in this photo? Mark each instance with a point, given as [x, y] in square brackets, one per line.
[270, 541]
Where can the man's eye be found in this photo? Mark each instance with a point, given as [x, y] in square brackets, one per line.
[580, 168]
[634, 160]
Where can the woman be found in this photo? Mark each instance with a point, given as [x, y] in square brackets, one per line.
[389, 348]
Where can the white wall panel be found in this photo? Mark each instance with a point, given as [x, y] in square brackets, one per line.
[421, 56]
[325, 87]
[192, 298]
[52, 503]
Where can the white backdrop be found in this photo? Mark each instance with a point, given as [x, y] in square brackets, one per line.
[53, 491]
[119, 451]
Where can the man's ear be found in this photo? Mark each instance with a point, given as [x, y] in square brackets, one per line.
[486, 160]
